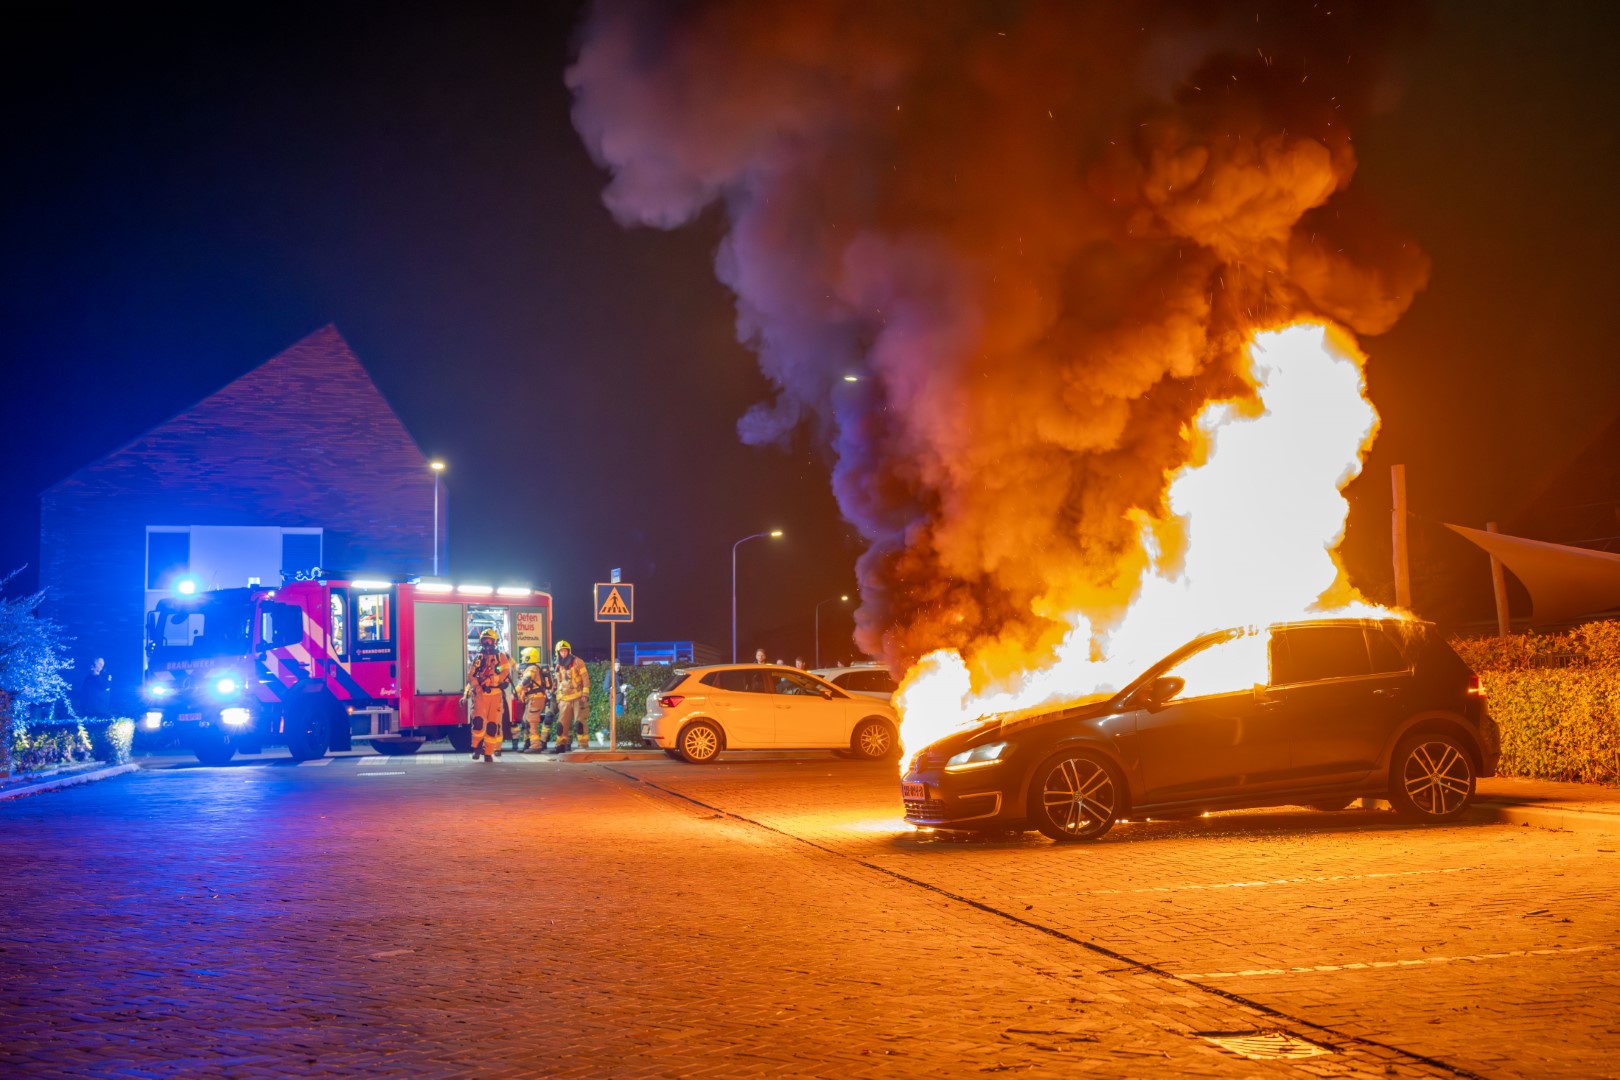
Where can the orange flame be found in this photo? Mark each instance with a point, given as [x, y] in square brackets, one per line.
[1256, 517]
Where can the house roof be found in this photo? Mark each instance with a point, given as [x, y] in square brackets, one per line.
[317, 385]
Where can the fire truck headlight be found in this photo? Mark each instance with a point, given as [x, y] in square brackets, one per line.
[152, 720]
[226, 685]
[236, 717]
[159, 690]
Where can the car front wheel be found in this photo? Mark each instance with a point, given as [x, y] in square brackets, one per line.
[1431, 778]
[1074, 796]
[700, 743]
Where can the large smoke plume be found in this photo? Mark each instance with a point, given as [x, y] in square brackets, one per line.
[1038, 232]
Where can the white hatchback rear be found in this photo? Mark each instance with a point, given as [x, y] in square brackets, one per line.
[700, 711]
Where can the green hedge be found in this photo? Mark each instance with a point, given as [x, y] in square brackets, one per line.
[1556, 698]
[49, 745]
[642, 680]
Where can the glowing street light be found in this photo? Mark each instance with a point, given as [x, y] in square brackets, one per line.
[829, 600]
[774, 534]
[437, 467]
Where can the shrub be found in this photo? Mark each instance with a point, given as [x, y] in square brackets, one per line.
[642, 681]
[45, 746]
[110, 740]
[1556, 698]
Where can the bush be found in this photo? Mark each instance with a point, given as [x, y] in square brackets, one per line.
[642, 681]
[1556, 698]
[49, 746]
[33, 656]
[110, 740]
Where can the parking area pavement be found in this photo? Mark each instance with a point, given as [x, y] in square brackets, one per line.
[1492, 947]
[432, 916]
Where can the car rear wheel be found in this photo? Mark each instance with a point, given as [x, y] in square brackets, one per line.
[873, 739]
[700, 743]
[1431, 778]
[1074, 796]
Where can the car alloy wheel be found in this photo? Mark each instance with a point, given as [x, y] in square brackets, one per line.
[1433, 777]
[873, 740]
[1078, 798]
[700, 742]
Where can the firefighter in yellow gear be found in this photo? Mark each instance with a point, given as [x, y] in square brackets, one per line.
[573, 697]
[534, 689]
[486, 688]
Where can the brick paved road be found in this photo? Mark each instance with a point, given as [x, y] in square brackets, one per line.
[430, 917]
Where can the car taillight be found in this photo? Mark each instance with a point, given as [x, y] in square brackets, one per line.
[1474, 687]
[669, 701]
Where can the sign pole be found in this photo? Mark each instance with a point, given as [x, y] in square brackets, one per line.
[615, 603]
[613, 686]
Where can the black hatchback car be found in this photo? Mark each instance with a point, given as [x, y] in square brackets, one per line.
[1350, 708]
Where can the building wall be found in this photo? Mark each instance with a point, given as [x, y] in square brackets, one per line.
[305, 440]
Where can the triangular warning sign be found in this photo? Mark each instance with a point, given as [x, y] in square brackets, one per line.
[614, 604]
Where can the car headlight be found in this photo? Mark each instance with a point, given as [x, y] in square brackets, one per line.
[225, 685]
[978, 757]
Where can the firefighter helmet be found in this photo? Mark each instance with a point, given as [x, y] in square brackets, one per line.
[531, 655]
[561, 645]
[489, 635]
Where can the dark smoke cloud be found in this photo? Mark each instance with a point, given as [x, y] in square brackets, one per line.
[1038, 232]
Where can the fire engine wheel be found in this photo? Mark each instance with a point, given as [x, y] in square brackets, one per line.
[403, 746]
[460, 738]
[700, 742]
[306, 729]
[212, 747]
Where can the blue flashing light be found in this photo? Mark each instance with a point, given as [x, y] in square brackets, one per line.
[225, 685]
[186, 585]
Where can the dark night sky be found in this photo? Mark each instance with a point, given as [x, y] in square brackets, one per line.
[189, 194]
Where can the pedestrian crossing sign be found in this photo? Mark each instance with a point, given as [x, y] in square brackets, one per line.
[615, 602]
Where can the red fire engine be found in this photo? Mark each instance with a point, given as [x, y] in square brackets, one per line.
[320, 662]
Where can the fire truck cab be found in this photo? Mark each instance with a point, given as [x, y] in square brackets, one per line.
[327, 659]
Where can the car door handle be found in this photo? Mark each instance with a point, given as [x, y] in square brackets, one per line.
[1387, 692]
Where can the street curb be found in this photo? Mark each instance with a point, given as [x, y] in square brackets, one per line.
[69, 781]
[1549, 817]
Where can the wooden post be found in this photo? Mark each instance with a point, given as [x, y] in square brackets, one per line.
[1403, 566]
[1504, 623]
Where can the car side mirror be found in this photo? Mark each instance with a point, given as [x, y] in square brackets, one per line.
[1162, 690]
[826, 693]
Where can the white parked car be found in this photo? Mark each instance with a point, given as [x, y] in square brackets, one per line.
[701, 711]
[872, 680]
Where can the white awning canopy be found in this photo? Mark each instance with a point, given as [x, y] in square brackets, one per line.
[1564, 582]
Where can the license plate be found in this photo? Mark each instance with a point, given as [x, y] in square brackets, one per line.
[913, 790]
[190, 716]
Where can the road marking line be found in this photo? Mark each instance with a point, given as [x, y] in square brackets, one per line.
[374, 761]
[1322, 879]
[316, 762]
[401, 772]
[1379, 964]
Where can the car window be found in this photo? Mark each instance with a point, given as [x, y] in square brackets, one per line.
[1312, 653]
[1222, 668]
[1386, 655]
[791, 682]
[739, 680]
[872, 679]
[675, 679]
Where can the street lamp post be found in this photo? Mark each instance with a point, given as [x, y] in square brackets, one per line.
[829, 600]
[774, 534]
[438, 468]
